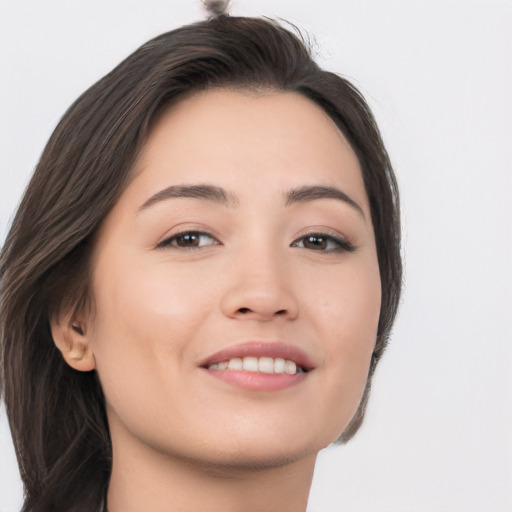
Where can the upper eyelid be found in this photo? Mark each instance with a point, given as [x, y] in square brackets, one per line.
[344, 242]
[167, 239]
[326, 233]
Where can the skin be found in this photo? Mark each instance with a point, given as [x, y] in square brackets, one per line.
[182, 439]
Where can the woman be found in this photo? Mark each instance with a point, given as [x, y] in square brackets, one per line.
[200, 279]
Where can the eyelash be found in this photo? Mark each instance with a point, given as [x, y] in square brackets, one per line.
[341, 245]
[168, 242]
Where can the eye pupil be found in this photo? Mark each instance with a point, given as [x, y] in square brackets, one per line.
[188, 240]
[315, 242]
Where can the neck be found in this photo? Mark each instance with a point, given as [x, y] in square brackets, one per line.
[144, 479]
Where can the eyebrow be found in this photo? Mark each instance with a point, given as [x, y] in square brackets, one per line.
[219, 195]
[207, 192]
[312, 193]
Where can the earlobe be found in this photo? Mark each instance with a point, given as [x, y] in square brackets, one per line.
[71, 338]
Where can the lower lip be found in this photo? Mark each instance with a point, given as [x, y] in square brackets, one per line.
[258, 381]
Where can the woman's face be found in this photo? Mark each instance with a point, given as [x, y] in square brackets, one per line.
[244, 239]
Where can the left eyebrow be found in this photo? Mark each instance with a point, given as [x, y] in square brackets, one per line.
[312, 193]
[202, 191]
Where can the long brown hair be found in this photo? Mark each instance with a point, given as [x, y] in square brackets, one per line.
[57, 415]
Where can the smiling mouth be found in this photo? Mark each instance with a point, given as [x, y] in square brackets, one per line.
[268, 365]
[260, 366]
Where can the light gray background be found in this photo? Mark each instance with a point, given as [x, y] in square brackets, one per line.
[438, 74]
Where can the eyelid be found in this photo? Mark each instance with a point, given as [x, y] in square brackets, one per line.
[167, 241]
[344, 244]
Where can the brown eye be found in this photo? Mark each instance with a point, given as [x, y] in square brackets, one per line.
[189, 240]
[315, 242]
[323, 243]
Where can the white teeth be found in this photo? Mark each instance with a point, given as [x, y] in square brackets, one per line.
[250, 364]
[266, 365]
[235, 364]
[261, 364]
[290, 368]
[279, 365]
[223, 365]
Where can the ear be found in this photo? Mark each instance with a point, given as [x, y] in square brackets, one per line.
[71, 336]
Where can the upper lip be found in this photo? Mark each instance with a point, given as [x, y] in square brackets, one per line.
[273, 349]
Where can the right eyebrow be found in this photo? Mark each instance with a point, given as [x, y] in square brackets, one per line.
[202, 191]
[312, 193]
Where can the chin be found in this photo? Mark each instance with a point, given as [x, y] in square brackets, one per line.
[231, 464]
[261, 451]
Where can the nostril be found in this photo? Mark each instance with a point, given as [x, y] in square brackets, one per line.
[248, 310]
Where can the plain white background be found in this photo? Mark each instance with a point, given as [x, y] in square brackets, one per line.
[438, 75]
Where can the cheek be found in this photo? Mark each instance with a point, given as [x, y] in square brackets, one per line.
[346, 316]
[146, 316]
[146, 301]
[347, 305]
[356, 321]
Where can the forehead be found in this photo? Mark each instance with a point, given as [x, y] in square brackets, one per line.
[247, 140]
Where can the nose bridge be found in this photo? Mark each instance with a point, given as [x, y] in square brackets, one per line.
[259, 285]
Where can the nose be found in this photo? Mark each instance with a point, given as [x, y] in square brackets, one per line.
[259, 289]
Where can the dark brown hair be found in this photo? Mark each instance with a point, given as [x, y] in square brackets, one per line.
[57, 415]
